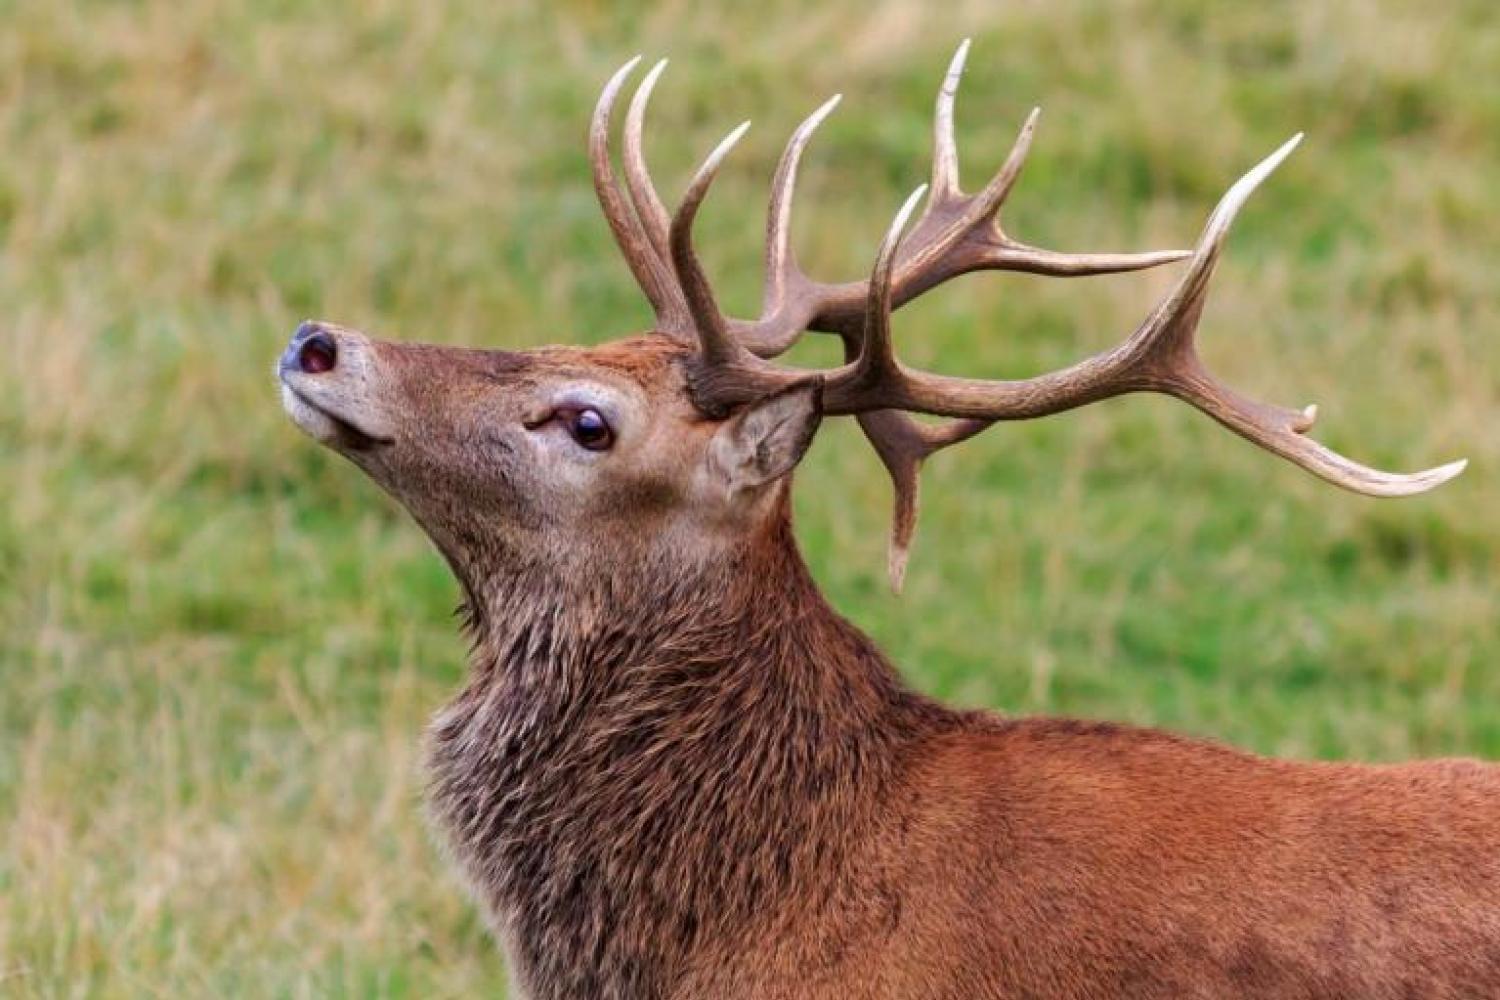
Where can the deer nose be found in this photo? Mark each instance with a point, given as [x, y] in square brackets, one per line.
[312, 350]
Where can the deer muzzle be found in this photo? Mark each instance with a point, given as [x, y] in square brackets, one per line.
[330, 381]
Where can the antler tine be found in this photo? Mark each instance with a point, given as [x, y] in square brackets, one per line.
[648, 204]
[1165, 327]
[650, 270]
[718, 347]
[877, 358]
[944, 148]
[782, 273]
[985, 206]
[1002, 252]
[982, 208]
[901, 443]
[1168, 338]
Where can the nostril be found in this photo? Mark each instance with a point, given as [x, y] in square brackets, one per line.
[317, 354]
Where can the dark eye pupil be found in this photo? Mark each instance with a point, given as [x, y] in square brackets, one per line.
[590, 430]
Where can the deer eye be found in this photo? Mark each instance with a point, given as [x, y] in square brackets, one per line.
[588, 428]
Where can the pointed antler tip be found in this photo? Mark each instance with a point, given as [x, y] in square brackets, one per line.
[956, 65]
[1275, 159]
[711, 165]
[1452, 470]
[1028, 130]
[613, 85]
[1423, 482]
[815, 119]
[903, 214]
[1374, 483]
[896, 567]
[643, 92]
[682, 219]
[1239, 192]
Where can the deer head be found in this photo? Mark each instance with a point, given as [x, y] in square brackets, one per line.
[673, 445]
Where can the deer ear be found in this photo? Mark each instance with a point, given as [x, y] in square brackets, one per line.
[765, 440]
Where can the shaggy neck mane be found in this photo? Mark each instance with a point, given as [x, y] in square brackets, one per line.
[662, 758]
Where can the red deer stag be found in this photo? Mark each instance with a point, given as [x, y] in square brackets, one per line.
[675, 771]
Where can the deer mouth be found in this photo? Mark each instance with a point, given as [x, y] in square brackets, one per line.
[326, 426]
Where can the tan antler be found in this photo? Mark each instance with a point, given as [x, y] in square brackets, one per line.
[955, 234]
[635, 224]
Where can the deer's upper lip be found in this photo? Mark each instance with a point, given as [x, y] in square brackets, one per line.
[349, 432]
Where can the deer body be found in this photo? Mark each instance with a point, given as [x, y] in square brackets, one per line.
[676, 772]
[744, 801]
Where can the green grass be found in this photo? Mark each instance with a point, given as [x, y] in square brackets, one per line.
[218, 644]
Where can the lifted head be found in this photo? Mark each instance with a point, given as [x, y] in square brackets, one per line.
[668, 445]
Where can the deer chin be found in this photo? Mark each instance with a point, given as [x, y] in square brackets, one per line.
[326, 427]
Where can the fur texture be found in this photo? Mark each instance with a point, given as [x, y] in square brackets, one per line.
[719, 788]
[676, 772]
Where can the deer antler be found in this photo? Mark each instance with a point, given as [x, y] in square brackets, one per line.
[955, 234]
[638, 226]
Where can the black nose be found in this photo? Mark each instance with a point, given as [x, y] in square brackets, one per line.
[312, 350]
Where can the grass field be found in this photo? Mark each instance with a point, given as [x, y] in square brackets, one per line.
[218, 643]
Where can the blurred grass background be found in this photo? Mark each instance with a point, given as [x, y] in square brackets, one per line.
[218, 643]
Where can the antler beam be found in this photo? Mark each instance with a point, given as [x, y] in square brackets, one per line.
[1160, 356]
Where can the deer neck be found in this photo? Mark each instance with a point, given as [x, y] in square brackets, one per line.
[640, 764]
